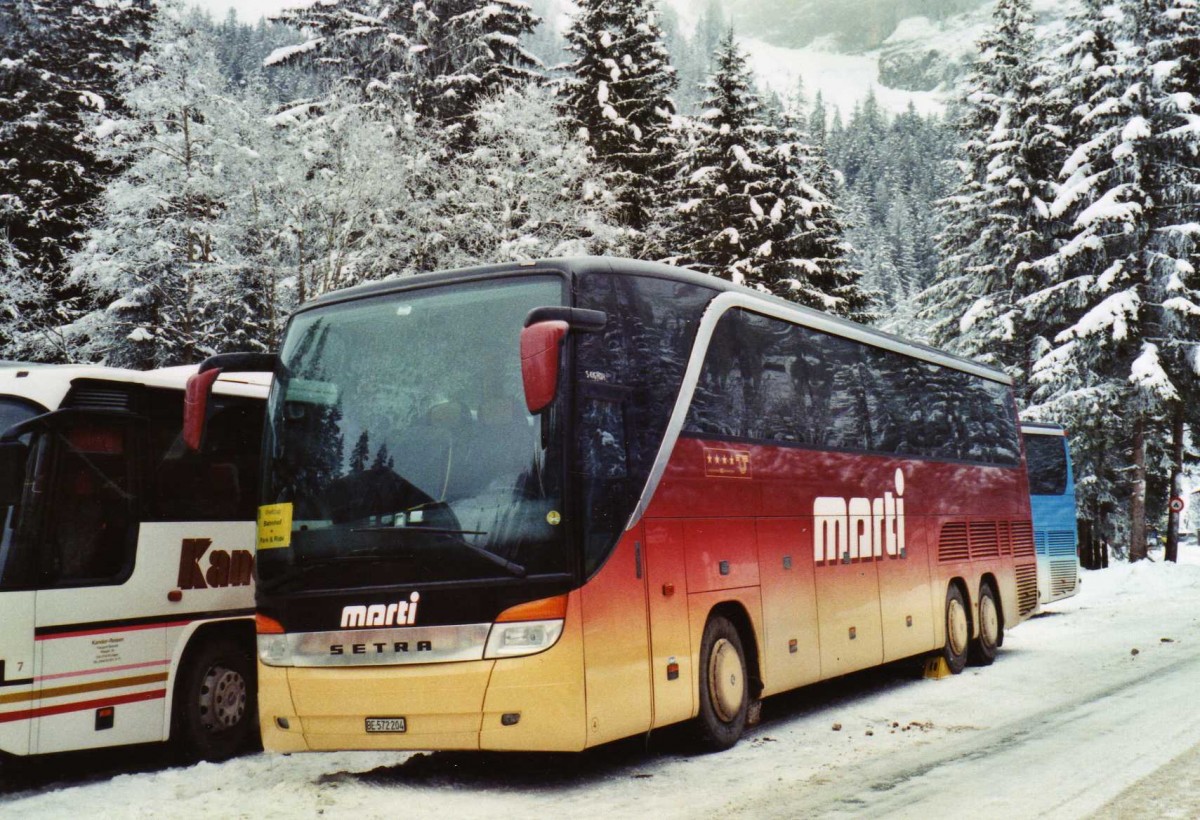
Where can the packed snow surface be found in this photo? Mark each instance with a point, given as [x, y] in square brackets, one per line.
[1084, 704]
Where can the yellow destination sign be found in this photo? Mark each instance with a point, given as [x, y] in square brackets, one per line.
[274, 526]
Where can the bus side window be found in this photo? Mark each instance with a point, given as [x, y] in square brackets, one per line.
[218, 484]
[602, 438]
[91, 520]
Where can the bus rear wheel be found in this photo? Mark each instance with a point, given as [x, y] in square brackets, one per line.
[991, 628]
[958, 630]
[214, 715]
[724, 690]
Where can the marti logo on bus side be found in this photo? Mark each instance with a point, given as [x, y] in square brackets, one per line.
[859, 529]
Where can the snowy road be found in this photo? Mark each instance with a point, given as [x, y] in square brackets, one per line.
[1068, 722]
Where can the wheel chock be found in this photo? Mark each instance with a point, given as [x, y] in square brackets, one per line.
[936, 668]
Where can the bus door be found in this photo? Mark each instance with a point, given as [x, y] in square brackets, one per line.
[616, 631]
[17, 598]
[103, 670]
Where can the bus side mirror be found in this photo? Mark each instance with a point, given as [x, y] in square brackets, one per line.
[199, 389]
[13, 457]
[540, 346]
[195, 407]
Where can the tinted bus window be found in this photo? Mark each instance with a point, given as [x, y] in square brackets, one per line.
[1047, 460]
[218, 484]
[769, 380]
[627, 380]
[14, 411]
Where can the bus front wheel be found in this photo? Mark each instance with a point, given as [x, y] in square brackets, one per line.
[214, 708]
[724, 693]
[991, 628]
[958, 630]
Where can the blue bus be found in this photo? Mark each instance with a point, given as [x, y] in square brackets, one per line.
[1052, 501]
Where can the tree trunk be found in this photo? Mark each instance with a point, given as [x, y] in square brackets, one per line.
[1173, 516]
[1137, 500]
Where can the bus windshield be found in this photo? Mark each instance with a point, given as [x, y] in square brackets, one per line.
[398, 434]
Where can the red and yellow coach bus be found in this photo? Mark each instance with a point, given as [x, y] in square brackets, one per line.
[543, 506]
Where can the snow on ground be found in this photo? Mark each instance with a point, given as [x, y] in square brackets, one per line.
[1070, 720]
[842, 79]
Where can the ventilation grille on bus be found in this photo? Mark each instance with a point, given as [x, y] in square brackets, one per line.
[1039, 541]
[1005, 537]
[985, 542]
[93, 396]
[1061, 542]
[1062, 576]
[1022, 538]
[1027, 592]
[953, 545]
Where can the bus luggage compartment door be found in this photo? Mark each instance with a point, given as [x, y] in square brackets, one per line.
[16, 671]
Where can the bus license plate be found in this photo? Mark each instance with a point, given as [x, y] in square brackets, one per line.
[393, 724]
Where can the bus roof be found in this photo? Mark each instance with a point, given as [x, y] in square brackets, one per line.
[47, 384]
[608, 265]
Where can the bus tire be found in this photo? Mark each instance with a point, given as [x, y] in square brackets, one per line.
[724, 688]
[991, 628]
[215, 714]
[958, 630]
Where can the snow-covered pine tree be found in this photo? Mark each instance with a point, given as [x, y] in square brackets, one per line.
[805, 256]
[720, 224]
[1166, 44]
[997, 217]
[442, 58]
[468, 51]
[1077, 379]
[526, 190]
[1126, 280]
[165, 256]
[353, 194]
[365, 44]
[758, 201]
[56, 68]
[618, 94]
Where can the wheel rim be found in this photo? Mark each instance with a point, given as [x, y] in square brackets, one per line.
[222, 699]
[726, 682]
[989, 620]
[956, 624]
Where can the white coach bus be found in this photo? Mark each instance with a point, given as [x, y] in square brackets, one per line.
[126, 561]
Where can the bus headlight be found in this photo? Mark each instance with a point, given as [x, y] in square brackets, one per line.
[507, 640]
[273, 650]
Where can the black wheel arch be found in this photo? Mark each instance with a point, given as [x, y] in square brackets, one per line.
[240, 631]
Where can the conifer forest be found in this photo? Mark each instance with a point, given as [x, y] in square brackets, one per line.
[173, 185]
